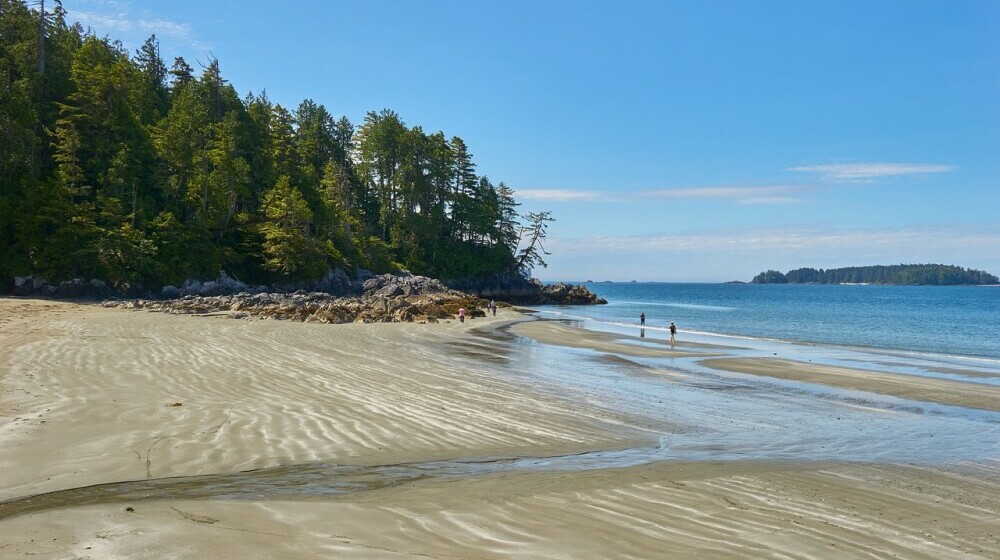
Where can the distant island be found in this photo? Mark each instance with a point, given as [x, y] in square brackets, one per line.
[899, 274]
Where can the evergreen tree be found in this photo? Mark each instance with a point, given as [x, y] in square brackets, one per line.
[535, 231]
[289, 249]
[114, 167]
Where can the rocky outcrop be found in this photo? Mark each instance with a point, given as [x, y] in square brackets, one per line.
[76, 288]
[383, 299]
[520, 290]
[335, 285]
[561, 293]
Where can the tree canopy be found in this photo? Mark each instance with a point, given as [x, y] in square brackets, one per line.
[904, 274]
[115, 166]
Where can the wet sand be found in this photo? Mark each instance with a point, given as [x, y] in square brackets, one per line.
[551, 332]
[941, 391]
[85, 397]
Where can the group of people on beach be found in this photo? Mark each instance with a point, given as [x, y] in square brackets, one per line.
[490, 307]
[673, 328]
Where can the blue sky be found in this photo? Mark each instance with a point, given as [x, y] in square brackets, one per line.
[673, 141]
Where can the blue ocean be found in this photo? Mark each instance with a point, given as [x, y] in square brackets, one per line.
[951, 321]
[943, 333]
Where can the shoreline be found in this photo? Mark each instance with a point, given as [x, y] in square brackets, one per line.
[939, 391]
[85, 394]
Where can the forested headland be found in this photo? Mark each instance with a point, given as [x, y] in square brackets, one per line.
[117, 166]
[900, 274]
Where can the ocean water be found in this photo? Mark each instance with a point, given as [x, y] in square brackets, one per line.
[950, 333]
[947, 321]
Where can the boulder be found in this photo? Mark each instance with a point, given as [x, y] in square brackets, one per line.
[97, 289]
[229, 284]
[392, 298]
[23, 286]
[190, 287]
[170, 292]
[527, 291]
[70, 288]
[335, 282]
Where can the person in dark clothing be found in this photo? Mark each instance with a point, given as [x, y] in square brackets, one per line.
[673, 331]
[642, 319]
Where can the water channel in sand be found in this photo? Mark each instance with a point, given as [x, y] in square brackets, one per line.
[690, 412]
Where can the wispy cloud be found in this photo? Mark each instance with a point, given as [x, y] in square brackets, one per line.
[744, 195]
[121, 22]
[870, 171]
[741, 253]
[906, 242]
[133, 23]
[559, 195]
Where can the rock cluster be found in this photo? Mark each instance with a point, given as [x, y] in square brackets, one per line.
[561, 293]
[520, 290]
[76, 288]
[336, 282]
[383, 299]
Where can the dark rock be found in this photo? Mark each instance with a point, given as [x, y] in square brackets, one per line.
[23, 286]
[519, 290]
[170, 292]
[398, 298]
[38, 285]
[190, 287]
[70, 288]
[97, 289]
[229, 284]
[373, 284]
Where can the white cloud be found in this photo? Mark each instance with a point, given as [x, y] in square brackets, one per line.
[770, 200]
[741, 253]
[806, 245]
[116, 18]
[869, 171]
[121, 22]
[909, 241]
[745, 195]
[558, 195]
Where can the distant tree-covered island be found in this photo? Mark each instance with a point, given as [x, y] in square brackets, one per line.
[117, 166]
[899, 274]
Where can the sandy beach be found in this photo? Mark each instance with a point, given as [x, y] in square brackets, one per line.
[423, 424]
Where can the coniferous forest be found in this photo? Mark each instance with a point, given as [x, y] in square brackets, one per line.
[124, 167]
[901, 274]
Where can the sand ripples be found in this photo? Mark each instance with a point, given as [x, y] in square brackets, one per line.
[258, 394]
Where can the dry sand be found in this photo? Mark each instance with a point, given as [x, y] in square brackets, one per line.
[84, 395]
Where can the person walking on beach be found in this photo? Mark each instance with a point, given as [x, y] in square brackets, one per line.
[673, 332]
[461, 314]
[642, 319]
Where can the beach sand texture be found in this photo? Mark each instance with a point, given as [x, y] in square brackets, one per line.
[86, 395]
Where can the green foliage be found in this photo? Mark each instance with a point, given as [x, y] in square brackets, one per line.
[532, 253]
[769, 277]
[289, 250]
[902, 274]
[113, 166]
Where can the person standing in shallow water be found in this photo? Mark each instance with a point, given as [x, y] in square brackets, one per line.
[461, 314]
[642, 319]
[673, 332]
